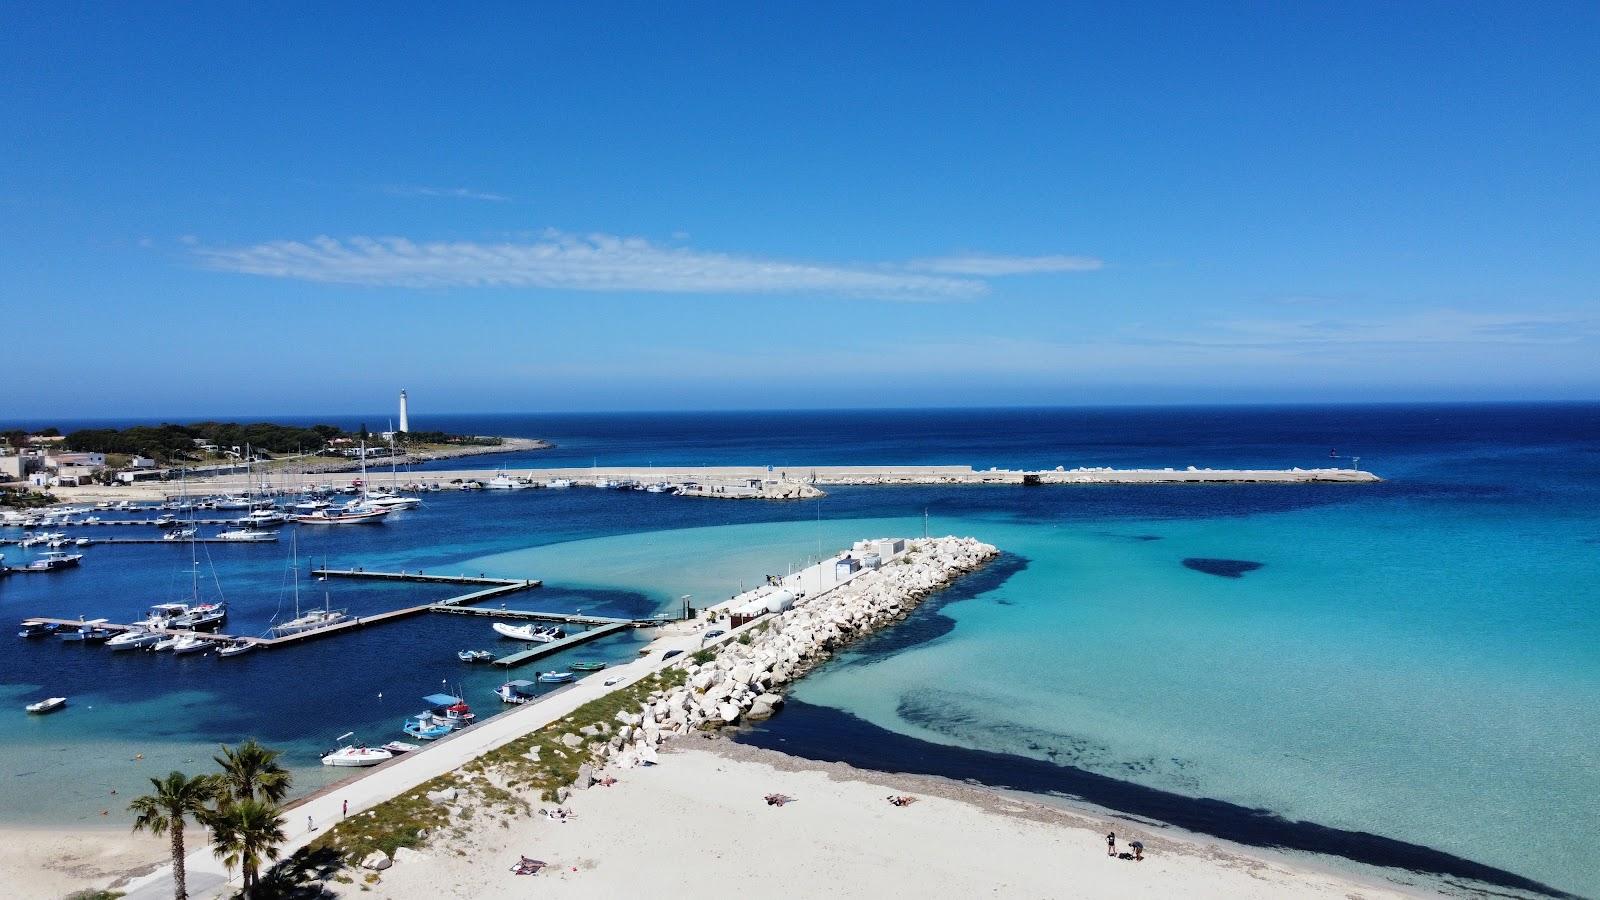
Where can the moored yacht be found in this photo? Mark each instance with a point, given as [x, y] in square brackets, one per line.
[529, 632]
[248, 535]
[133, 639]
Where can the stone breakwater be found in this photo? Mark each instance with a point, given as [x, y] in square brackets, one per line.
[744, 680]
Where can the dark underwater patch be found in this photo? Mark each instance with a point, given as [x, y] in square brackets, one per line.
[926, 622]
[1223, 568]
[830, 735]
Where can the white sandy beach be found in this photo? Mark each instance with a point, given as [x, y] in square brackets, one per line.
[40, 863]
[696, 826]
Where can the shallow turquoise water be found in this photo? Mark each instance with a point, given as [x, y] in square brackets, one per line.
[1419, 659]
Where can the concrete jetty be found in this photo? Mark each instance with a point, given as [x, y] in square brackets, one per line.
[779, 482]
[566, 643]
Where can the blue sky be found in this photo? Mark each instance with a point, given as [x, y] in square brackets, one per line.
[215, 208]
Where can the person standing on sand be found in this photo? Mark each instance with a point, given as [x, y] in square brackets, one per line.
[1111, 843]
[346, 810]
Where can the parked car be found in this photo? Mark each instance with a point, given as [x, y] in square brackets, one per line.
[715, 633]
[671, 653]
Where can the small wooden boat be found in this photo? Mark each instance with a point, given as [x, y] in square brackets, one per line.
[423, 728]
[237, 648]
[474, 656]
[517, 692]
[587, 666]
[47, 706]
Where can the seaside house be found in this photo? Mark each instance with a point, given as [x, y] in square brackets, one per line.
[58, 461]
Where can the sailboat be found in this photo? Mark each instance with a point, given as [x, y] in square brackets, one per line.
[390, 498]
[316, 618]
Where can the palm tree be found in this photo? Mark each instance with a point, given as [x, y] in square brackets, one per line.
[245, 833]
[251, 772]
[176, 797]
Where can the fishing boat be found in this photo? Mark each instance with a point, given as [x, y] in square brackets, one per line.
[504, 482]
[530, 632]
[422, 727]
[133, 639]
[449, 711]
[474, 656]
[248, 535]
[558, 483]
[517, 692]
[53, 560]
[32, 629]
[398, 747]
[355, 754]
[587, 666]
[237, 648]
[349, 515]
[49, 705]
[556, 677]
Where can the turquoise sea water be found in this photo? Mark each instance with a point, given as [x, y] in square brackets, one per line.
[1418, 660]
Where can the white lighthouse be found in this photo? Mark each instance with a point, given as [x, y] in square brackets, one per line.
[405, 421]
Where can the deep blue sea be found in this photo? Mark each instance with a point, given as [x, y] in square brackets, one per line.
[1410, 674]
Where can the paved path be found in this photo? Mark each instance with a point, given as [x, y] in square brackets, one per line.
[208, 878]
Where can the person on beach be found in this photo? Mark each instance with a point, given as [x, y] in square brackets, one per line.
[346, 810]
[309, 826]
[1138, 850]
[1111, 843]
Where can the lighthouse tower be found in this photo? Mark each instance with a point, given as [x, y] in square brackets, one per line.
[405, 422]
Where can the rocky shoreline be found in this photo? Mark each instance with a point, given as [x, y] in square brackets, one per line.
[745, 678]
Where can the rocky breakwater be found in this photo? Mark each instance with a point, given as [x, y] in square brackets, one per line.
[745, 678]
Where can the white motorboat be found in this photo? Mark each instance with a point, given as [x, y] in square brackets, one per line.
[46, 706]
[162, 615]
[356, 754]
[232, 503]
[248, 535]
[530, 632]
[504, 482]
[310, 506]
[398, 747]
[205, 617]
[190, 643]
[53, 561]
[558, 483]
[133, 639]
[167, 643]
[180, 534]
[392, 501]
[237, 648]
[262, 517]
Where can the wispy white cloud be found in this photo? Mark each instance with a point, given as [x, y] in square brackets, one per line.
[596, 262]
[411, 190]
[1424, 327]
[992, 265]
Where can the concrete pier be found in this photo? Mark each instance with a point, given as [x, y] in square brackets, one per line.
[572, 640]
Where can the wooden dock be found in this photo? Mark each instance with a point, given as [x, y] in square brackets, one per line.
[541, 650]
[419, 577]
